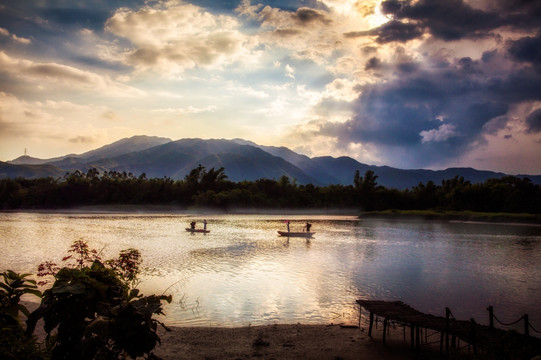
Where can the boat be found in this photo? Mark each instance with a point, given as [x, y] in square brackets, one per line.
[197, 230]
[305, 234]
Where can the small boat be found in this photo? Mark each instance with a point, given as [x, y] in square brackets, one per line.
[305, 234]
[197, 230]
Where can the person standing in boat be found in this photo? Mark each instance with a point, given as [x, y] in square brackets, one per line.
[287, 223]
[308, 226]
[205, 224]
[192, 225]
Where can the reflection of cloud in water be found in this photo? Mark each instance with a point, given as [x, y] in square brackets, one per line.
[243, 272]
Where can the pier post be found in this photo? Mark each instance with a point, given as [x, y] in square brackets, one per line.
[384, 329]
[490, 316]
[412, 336]
[473, 336]
[526, 325]
[360, 315]
[447, 315]
[371, 323]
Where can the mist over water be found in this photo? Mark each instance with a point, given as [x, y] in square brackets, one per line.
[244, 273]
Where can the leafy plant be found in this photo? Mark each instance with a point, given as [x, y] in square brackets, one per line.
[82, 254]
[14, 344]
[90, 312]
[127, 266]
[12, 288]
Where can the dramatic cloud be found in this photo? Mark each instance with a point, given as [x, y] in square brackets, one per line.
[443, 133]
[406, 83]
[392, 31]
[59, 76]
[25, 41]
[527, 49]
[177, 36]
[533, 122]
[439, 105]
[447, 20]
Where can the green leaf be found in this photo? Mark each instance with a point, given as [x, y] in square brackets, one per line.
[23, 309]
[73, 288]
[4, 286]
[34, 292]
[133, 293]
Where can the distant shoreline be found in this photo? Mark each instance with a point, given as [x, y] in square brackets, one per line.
[172, 209]
[425, 215]
[456, 216]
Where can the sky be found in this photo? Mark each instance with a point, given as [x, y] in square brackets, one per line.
[409, 84]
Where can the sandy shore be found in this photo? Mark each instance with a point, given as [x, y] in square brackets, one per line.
[283, 342]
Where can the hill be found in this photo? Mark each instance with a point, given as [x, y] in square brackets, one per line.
[243, 160]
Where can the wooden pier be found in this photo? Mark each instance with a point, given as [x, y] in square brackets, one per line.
[449, 329]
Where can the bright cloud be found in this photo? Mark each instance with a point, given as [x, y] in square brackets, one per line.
[21, 40]
[442, 133]
[176, 36]
[49, 76]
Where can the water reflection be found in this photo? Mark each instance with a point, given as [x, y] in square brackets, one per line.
[243, 273]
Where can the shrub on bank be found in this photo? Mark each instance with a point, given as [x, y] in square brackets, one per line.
[91, 311]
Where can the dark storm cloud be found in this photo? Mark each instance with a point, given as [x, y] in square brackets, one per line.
[438, 109]
[454, 19]
[391, 31]
[306, 15]
[373, 64]
[435, 115]
[447, 20]
[407, 67]
[515, 87]
[54, 26]
[527, 49]
[533, 122]
[524, 14]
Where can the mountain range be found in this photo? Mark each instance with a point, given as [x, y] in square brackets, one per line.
[159, 157]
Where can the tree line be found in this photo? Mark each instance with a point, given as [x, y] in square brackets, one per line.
[210, 188]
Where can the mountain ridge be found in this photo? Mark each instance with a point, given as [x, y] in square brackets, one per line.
[242, 159]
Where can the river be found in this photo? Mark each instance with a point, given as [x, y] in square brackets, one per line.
[243, 273]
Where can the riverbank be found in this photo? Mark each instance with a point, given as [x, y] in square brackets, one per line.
[279, 341]
[284, 342]
[464, 216]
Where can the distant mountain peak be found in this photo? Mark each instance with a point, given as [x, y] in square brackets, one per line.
[25, 160]
[125, 145]
[242, 160]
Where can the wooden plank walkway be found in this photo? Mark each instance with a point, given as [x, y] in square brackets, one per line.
[478, 336]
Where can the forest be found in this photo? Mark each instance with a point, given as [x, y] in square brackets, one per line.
[210, 188]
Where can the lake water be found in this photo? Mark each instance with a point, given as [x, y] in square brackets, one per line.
[244, 273]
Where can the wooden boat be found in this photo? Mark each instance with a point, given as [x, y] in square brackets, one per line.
[305, 234]
[197, 230]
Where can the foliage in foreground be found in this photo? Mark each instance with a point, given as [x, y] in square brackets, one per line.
[14, 344]
[90, 312]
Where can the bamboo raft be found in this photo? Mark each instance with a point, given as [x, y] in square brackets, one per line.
[475, 335]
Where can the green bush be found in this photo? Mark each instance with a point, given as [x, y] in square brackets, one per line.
[91, 312]
[14, 344]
